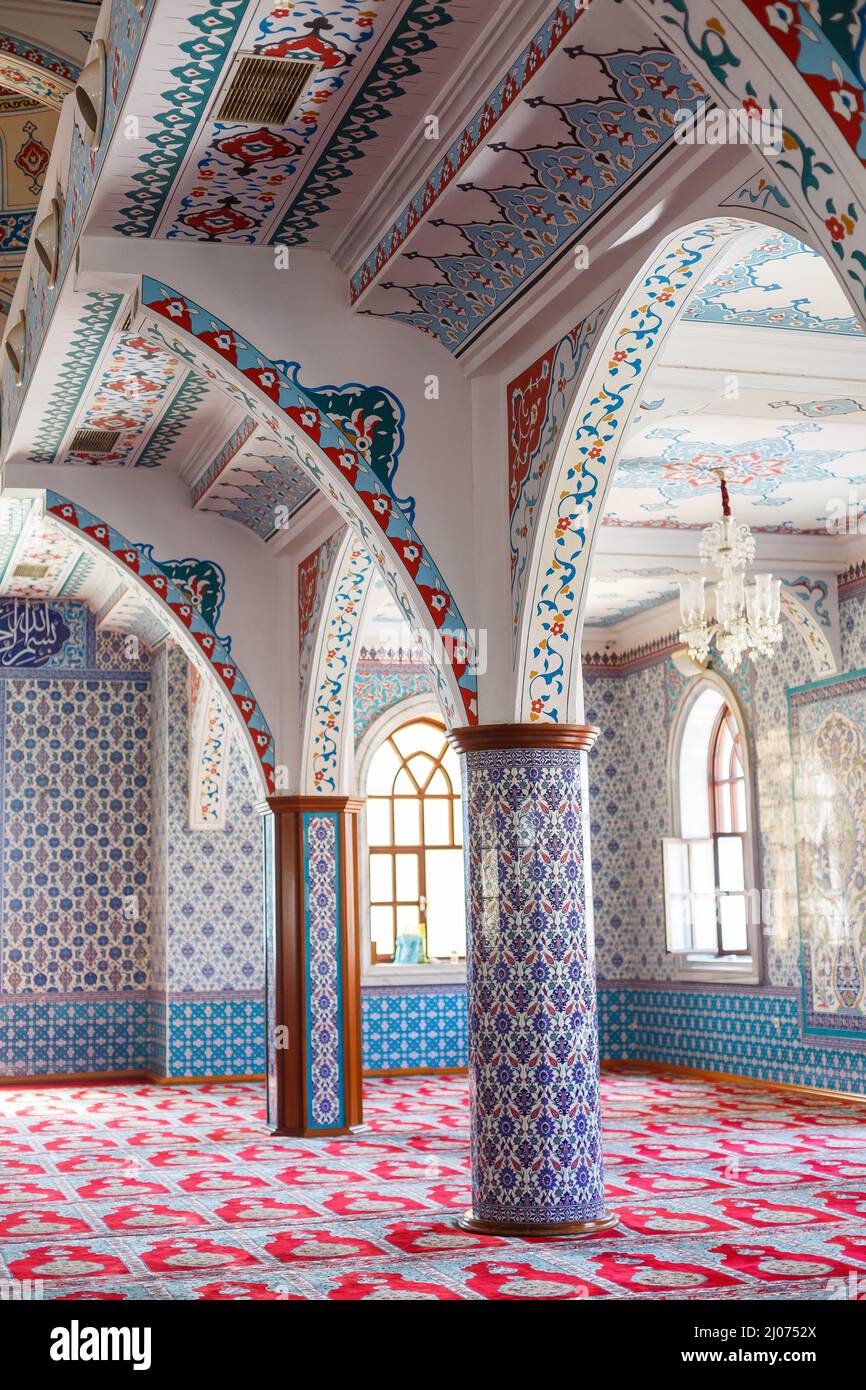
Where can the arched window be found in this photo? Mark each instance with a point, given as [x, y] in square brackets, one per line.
[414, 838]
[712, 908]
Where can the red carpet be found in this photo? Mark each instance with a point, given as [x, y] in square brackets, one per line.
[178, 1192]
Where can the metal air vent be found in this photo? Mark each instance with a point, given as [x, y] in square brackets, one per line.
[264, 91]
[29, 571]
[94, 441]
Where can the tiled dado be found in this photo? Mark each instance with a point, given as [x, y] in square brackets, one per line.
[405, 1028]
[207, 1037]
[753, 1033]
[46, 1037]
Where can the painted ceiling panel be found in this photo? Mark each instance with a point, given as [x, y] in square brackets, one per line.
[613, 598]
[593, 121]
[779, 283]
[252, 482]
[186, 176]
[782, 475]
[134, 385]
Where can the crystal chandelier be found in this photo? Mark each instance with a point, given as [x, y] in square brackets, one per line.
[747, 615]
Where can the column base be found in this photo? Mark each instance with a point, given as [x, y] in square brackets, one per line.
[302, 1132]
[540, 1230]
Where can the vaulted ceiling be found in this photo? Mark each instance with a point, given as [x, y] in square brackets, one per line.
[765, 375]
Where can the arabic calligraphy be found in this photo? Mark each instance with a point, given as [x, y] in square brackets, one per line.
[31, 633]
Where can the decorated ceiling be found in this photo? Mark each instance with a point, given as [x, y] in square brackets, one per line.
[795, 456]
[537, 188]
[41, 51]
[196, 177]
[779, 283]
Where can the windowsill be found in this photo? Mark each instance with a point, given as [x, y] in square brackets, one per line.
[718, 971]
[442, 973]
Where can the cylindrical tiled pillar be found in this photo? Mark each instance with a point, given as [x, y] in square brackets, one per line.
[533, 1030]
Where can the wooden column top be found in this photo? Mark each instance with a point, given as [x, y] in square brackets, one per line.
[309, 803]
[475, 738]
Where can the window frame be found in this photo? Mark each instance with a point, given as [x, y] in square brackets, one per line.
[725, 967]
[382, 974]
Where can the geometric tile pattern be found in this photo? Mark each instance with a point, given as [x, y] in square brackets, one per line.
[152, 1193]
[424, 1026]
[75, 817]
[723, 1028]
[214, 877]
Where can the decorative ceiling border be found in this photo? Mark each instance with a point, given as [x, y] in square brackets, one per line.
[397, 63]
[540, 47]
[334, 461]
[213, 31]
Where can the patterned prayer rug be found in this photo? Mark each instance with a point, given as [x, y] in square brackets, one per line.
[722, 1192]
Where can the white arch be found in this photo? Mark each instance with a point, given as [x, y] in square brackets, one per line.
[570, 510]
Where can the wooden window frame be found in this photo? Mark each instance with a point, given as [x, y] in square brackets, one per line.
[391, 849]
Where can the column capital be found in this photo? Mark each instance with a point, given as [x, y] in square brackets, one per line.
[477, 738]
[276, 804]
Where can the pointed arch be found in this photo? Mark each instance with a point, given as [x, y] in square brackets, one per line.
[573, 501]
[208, 652]
[270, 392]
[808, 69]
[327, 744]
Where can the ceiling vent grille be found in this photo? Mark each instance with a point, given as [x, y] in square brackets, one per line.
[27, 570]
[265, 91]
[94, 441]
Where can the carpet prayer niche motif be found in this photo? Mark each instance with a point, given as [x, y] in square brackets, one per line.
[828, 734]
[722, 1192]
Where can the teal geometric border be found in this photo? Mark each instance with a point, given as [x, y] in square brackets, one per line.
[173, 422]
[206, 53]
[90, 338]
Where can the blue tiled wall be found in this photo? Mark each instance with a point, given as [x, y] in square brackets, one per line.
[407, 1028]
[755, 1034]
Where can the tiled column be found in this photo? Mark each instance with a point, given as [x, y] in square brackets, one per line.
[533, 1031]
[313, 991]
